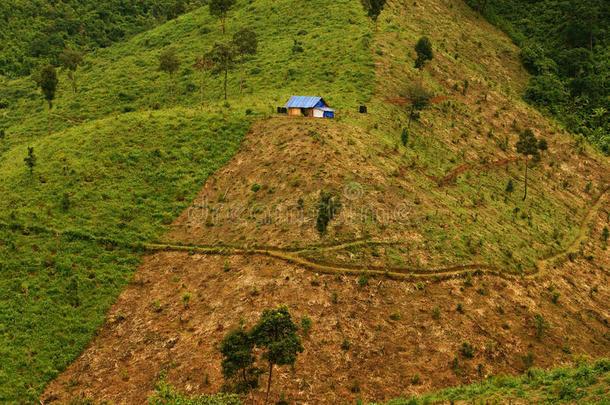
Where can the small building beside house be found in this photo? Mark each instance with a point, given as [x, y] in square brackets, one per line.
[316, 107]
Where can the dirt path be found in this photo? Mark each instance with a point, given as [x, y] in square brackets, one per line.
[543, 264]
[404, 273]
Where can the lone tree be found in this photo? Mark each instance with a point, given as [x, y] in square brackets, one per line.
[374, 8]
[219, 9]
[420, 99]
[276, 334]
[238, 362]
[328, 206]
[202, 65]
[245, 43]
[47, 81]
[70, 60]
[527, 145]
[30, 160]
[424, 54]
[169, 63]
[223, 56]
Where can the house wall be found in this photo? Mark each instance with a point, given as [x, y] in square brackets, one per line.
[318, 113]
[295, 112]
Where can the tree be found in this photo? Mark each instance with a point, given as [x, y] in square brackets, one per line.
[70, 60]
[527, 145]
[30, 160]
[47, 81]
[202, 65]
[245, 43]
[169, 63]
[219, 9]
[328, 206]
[276, 334]
[238, 361]
[223, 56]
[420, 99]
[374, 8]
[424, 54]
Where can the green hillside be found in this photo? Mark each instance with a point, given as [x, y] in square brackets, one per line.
[36, 32]
[564, 44]
[123, 165]
[586, 383]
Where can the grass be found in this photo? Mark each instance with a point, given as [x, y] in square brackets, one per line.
[120, 165]
[585, 383]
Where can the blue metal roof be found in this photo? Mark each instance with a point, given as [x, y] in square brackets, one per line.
[325, 109]
[303, 102]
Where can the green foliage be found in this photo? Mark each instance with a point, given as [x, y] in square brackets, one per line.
[169, 62]
[223, 56]
[582, 383]
[276, 335]
[510, 187]
[423, 48]
[328, 206]
[165, 394]
[467, 350]
[373, 8]
[47, 81]
[30, 160]
[541, 325]
[35, 32]
[238, 361]
[404, 136]
[527, 145]
[565, 45]
[220, 8]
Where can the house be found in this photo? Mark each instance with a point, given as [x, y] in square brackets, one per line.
[309, 107]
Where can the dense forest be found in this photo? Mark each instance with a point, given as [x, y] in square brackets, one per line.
[33, 32]
[565, 44]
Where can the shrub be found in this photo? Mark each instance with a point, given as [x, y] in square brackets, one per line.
[255, 187]
[345, 345]
[467, 350]
[363, 280]
[306, 325]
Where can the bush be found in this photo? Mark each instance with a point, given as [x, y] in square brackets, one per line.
[467, 350]
[547, 91]
[165, 394]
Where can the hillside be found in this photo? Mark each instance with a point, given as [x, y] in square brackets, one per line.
[36, 32]
[120, 166]
[134, 205]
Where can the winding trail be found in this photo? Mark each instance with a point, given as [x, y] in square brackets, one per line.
[399, 273]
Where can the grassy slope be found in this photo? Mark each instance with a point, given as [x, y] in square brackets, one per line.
[586, 383]
[126, 175]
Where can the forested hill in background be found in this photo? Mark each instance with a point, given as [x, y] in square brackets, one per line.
[34, 32]
[565, 44]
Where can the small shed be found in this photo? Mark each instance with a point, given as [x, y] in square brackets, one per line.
[300, 106]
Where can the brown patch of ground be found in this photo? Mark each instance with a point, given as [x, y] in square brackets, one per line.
[391, 328]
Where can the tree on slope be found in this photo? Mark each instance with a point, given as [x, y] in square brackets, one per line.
[220, 9]
[223, 56]
[47, 81]
[245, 43]
[202, 65]
[70, 60]
[276, 334]
[527, 145]
[169, 63]
[420, 99]
[423, 48]
[374, 8]
[238, 361]
[30, 160]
